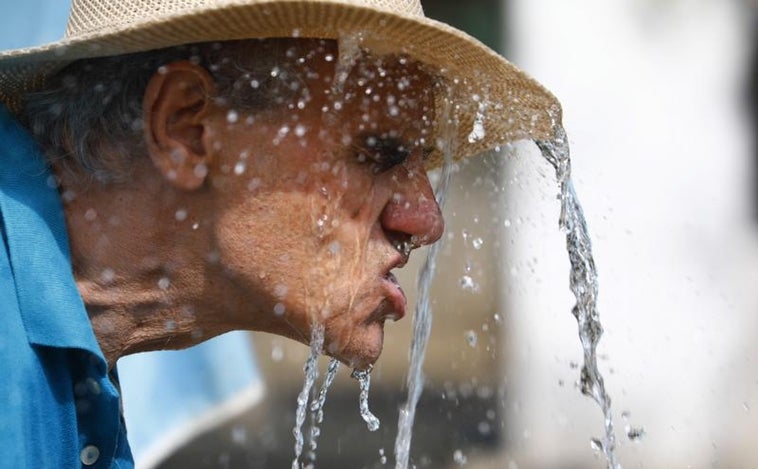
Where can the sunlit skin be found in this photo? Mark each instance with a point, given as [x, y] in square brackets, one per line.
[271, 221]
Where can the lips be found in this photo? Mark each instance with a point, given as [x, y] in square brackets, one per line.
[396, 300]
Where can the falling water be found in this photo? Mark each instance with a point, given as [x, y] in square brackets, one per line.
[317, 407]
[422, 322]
[583, 284]
[311, 373]
[364, 381]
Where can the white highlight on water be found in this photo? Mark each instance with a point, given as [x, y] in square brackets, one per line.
[422, 321]
[584, 285]
[364, 381]
[311, 373]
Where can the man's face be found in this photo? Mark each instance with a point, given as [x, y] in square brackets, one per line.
[318, 199]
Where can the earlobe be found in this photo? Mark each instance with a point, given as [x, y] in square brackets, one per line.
[176, 102]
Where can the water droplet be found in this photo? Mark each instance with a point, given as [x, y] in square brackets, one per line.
[507, 223]
[460, 458]
[277, 353]
[164, 283]
[107, 276]
[232, 116]
[239, 168]
[468, 284]
[280, 291]
[180, 214]
[52, 182]
[596, 445]
[478, 132]
[471, 338]
[334, 247]
[239, 434]
[300, 129]
[279, 309]
[484, 428]
[635, 433]
[477, 243]
[254, 184]
[382, 457]
[200, 170]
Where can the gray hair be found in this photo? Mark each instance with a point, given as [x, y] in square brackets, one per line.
[98, 101]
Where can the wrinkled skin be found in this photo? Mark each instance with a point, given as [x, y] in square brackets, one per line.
[270, 220]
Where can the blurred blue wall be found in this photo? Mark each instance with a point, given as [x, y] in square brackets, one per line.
[25, 23]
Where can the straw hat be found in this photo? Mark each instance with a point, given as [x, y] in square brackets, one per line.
[494, 101]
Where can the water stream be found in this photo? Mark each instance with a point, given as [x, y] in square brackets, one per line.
[422, 319]
[584, 285]
[311, 373]
[317, 408]
[364, 382]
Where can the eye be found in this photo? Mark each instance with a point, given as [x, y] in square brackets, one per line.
[383, 153]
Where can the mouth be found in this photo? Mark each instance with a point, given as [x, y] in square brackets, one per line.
[394, 307]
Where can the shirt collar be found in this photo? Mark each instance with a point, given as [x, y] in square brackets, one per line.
[37, 244]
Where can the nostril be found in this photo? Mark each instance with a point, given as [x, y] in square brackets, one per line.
[402, 242]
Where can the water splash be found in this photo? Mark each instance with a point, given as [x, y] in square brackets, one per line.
[364, 381]
[311, 373]
[422, 318]
[317, 407]
[584, 285]
[477, 131]
[349, 50]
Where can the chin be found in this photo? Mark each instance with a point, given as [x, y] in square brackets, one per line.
[363, 347]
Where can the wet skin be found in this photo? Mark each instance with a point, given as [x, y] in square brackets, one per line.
[270, 220]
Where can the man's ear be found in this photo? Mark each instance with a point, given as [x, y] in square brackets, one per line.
[176, 101]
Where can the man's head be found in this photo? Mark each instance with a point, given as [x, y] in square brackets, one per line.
[263, 185]
[256, 184]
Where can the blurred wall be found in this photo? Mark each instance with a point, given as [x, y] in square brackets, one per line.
[653, 97]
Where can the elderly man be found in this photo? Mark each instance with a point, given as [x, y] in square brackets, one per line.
[172, 172]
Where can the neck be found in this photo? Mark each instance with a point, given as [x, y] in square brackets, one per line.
[138, 271]
[128, 320]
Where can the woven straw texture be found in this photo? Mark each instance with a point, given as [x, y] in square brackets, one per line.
[517, 106]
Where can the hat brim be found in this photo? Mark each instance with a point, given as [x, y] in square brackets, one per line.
[495, 102]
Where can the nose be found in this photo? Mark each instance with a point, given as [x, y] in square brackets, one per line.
[412, 210]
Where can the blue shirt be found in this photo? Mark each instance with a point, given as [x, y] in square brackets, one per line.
[59, 405]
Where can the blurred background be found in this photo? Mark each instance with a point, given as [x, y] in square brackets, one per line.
[659, 102]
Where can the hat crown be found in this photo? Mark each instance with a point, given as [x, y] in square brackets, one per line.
[91, 16]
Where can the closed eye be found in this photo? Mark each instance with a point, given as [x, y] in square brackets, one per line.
[382, 153]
